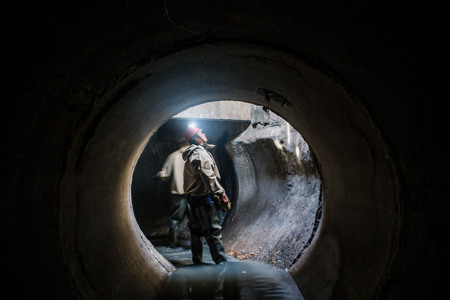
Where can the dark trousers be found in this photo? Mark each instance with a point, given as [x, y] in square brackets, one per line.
[178, 208]
[204, 221]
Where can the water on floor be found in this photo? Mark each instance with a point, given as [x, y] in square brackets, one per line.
[235, 280]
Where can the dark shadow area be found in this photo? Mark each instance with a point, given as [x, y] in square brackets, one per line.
[88, 85]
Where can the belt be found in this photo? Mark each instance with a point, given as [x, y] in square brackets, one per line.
[196, 201]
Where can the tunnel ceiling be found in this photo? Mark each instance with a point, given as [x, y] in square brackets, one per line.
[88, 85]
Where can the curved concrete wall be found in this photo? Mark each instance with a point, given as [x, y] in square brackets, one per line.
[91, 84]
[278, 201]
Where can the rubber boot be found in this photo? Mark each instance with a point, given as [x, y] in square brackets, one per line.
[217, 250]
[173, 238]
[196, 249]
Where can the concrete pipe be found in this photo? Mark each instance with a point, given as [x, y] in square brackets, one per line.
[94, 83]
[95, 200]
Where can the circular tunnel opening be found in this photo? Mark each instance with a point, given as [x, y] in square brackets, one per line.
[267, 170]
[96, 211]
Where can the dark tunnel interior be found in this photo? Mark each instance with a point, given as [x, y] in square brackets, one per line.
[89, 85]
[276, 207]
[150, 197]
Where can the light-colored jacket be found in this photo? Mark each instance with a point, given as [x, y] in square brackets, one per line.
[201, 175]
[173, 168]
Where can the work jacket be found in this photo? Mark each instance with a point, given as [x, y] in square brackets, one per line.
[201, 175]
[173, 168]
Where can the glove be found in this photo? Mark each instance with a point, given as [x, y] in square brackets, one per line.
[223, 202]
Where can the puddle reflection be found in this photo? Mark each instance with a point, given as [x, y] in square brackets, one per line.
[233, 280]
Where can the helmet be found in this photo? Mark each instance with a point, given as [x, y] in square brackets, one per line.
[189, 133]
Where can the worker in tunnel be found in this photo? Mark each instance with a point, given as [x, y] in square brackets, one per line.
[205, 197]
[172, 170]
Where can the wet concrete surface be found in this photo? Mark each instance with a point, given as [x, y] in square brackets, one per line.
[181, 256]
[236, 279]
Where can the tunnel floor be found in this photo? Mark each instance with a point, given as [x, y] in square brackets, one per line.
[181, 255]
[237, 280]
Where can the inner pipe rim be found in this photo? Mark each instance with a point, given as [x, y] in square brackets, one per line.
[152, 81]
